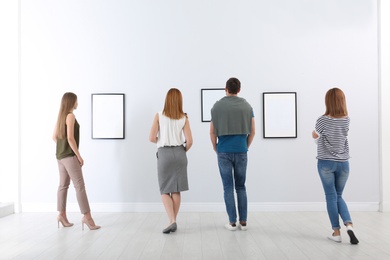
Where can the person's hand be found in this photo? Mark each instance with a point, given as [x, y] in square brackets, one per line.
[314, 134]
[81, 161]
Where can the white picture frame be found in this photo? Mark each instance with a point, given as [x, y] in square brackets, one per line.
[280, 115]
[108, 116]
[208, 98]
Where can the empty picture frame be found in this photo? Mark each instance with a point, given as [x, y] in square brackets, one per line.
[209, 96]
[108, 116]
[280, 115]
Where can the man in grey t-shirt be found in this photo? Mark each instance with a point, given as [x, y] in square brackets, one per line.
[232, 130]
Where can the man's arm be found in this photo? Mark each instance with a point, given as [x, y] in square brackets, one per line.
[252, 134]
[213, 137]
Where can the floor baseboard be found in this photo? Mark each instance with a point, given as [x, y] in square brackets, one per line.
[199, 207]
[6, 209]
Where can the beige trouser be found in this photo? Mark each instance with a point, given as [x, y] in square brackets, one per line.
[70, 168]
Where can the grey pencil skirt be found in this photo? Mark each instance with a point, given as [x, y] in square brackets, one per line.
[172, 169]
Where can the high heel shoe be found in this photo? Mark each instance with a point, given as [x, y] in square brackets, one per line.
[171, 228]
[63, 221]
[91, 227]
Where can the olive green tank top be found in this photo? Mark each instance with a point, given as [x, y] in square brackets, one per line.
[63, 149]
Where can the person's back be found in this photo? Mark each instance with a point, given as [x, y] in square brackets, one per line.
[231, 115]
[170, 132]
[232, 129]
[333, 144]
[168, 128]
[331, 132]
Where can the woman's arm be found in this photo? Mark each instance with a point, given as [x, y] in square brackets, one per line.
[70, 121]
[187, 135]
[154, 130]
[54, 137]
[316, 136]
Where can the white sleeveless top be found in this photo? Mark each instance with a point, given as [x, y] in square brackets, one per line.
[171, 131]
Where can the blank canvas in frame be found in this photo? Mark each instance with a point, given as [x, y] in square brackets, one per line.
[280, 115]
[209, 96]
[108, 116]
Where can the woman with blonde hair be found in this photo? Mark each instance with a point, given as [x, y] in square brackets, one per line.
[331, 132]
[67, 135]
[167, 132]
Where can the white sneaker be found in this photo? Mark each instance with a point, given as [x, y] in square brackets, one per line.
[335, 238]
[243, 228]
[230, 227]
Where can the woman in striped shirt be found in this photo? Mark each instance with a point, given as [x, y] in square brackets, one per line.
[331, 133]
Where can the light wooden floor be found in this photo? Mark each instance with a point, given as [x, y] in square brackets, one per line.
[281, 235]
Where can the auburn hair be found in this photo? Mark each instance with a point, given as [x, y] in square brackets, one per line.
[68, 101]
[173, 107]
[336, 105]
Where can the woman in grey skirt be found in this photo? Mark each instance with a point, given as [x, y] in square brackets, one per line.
[167, 132]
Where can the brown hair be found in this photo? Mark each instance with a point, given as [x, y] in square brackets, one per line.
[68, 101]
[173, 107]
[336, 105]
[233, 85]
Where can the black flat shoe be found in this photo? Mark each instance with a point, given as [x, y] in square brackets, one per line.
[353, 239]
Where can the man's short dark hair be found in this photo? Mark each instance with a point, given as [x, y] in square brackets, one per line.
[233, 85]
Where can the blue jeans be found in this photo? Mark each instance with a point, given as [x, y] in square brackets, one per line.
[334, 176]
[232, 167]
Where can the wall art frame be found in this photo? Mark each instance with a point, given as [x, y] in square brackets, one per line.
[280, 115]
[108, 115]
[208, 98]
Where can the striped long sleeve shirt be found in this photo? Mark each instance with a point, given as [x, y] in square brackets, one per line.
[332, 141]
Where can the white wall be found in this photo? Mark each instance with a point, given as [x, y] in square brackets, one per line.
[9, 104]
[142, 48]
[385, 105]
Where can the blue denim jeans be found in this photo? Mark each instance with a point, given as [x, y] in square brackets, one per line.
[334, 176]
[232, 167]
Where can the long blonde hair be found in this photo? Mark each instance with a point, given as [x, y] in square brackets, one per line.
[336, 105]
[68, 101]
[173, 107]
